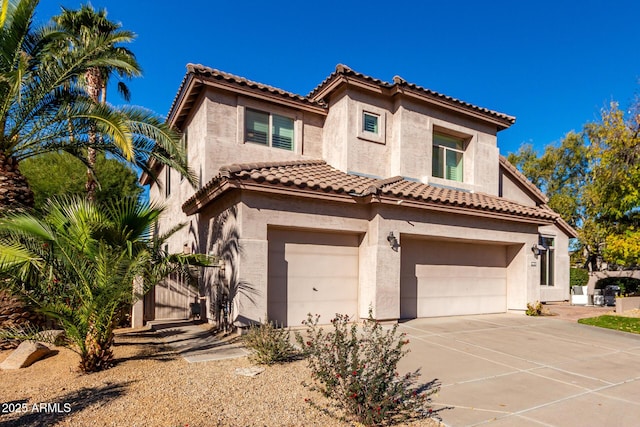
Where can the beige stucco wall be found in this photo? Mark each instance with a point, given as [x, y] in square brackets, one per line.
[513, 190]
[379, 264]
[215, 136]
[560, 291]
[215, 132]
[404, 144]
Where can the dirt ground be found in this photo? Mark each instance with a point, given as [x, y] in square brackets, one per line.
[151, 386]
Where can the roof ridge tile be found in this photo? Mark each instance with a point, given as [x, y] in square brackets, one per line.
[399, 81]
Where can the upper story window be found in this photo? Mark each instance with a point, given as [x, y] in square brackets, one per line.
[269, 129]
[447, 160]
[167, 181]
[370, 122]
[184, 141]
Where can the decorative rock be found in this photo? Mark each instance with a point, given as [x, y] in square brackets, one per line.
[27, 353]
[251, 371]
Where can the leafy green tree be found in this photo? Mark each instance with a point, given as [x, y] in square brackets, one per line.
[614, 194]
[593, 180]
[43, 108]
[55, 174]
[78, 262]
[561, 172]
[615, 155]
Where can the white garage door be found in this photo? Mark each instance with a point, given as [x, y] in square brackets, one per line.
[311, 272]
[447, 278]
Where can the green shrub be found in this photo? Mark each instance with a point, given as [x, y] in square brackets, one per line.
[578, 277]
[628, 285]
[534, 309]
[270, 344]
[357, 370]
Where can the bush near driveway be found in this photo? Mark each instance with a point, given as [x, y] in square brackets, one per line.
[270, 344]
[357, 370]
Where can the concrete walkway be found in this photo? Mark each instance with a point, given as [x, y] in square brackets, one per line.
[514, 370]
[195, 342]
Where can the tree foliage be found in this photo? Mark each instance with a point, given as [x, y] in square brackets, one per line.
[77, 264]
[55, 174]
[561, 172]
[43, 108]
[592, 178]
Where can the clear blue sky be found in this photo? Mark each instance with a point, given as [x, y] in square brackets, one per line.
[552, 64]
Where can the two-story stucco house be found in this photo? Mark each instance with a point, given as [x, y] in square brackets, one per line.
[361, 194]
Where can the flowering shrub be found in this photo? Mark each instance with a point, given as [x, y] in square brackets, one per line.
[534, 309]
[357, 369]
[270, 344]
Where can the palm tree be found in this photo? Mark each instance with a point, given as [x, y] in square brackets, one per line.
[81, 27]
[44, 109]
[78, 262]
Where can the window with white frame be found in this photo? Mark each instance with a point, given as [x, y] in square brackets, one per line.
[447, 160]
[269, 129]
[547, 261]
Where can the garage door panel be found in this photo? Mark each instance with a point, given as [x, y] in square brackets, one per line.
[463, 287]
[445, 278]
[447, 272]
[311, 272]
[445, 306]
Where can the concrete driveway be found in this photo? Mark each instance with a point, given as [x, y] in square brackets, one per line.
[513, 370]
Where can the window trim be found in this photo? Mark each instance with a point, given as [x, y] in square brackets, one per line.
[444, 149]
[270, 128]
[547, 260]
[167, 182]
[378, 137]
[184, 142]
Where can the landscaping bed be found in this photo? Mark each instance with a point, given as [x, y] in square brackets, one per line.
[150, 385]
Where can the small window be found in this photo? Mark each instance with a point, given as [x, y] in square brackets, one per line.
[547, 261]
[370, 123]
[185, 146]
[269, 129]
[167, 181]
[447, 157]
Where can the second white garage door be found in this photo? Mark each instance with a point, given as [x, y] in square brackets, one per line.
[450, 278]
[311, 272]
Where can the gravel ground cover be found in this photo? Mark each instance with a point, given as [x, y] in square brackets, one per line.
[151, 386]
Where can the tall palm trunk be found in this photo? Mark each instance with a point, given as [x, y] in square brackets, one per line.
[14, 189]
[94, 82]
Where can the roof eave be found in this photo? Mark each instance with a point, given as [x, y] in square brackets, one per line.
[226, 184]
[501, 123]
[534, 191]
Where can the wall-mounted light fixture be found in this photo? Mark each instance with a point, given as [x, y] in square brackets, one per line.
[393, 241]
[537, 249]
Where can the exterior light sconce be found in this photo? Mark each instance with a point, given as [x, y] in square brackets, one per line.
[537, 249]
[393, 241]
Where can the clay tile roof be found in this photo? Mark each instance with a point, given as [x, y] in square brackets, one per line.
[519, 176]
[212, 74]
[462, 199]
[318, 176]
[309, 174]
[343, 70]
